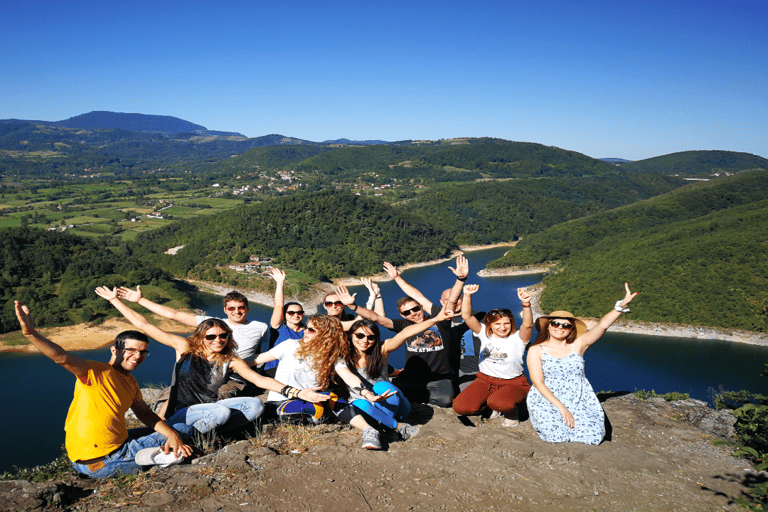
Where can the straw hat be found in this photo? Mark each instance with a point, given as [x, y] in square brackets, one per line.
[581, 327]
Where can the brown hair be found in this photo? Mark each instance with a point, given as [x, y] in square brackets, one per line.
[496, 314]
[405, 300]
[235, 296]
[196, 347]
[324, 350]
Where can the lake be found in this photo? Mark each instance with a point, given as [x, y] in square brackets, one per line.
[618, 362]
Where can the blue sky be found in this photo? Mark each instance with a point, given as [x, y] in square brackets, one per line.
[605, 78]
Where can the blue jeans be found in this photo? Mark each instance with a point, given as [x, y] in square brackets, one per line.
[235, 412]
[121, 461]
[386, 413]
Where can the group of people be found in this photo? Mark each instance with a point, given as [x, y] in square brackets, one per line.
[330, 366]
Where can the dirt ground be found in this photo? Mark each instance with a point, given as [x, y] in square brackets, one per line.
[660, 457]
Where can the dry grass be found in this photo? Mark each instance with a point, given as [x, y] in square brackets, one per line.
[287, 438]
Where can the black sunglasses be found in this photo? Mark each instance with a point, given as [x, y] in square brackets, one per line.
[414, 309]
[298, 312]
[329, 303]
[564, 325]
[310, 329]
[224, 336]
[360, 336]
[501, 312]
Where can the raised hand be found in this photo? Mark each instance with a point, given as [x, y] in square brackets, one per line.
[628, 296]
[391, 270]
[277, 274]
[471, 288]
[24, 318]
[128, 294]
[107, 294]
[373, 288]
[524, 295]
[344, 295]
[462, 267]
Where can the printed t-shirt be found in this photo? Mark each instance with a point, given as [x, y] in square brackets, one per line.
[95, 423]
[501, 357]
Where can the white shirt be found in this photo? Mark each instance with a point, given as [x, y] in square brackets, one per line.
[501, 357]
[291, 371]
[247, 336]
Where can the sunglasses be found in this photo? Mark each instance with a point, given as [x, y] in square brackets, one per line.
[329, 303]
[564, 325]
[237, 308]
[297, 312]
[407, 312]
[223, 336]
[502, 312]
[310, 329]
[360, 336]
[131, 351]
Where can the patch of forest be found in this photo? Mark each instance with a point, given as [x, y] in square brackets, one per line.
[55, 273]
[696, 254]
[698, 163]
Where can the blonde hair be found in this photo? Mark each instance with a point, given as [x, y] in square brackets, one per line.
[324, 350]
[196, 347]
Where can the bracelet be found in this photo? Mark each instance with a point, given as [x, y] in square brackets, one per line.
[462, 279]
[353, 304]
[621, 309]
[527, 305]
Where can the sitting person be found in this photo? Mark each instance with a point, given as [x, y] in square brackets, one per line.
[287, 322]
[365, 372]
[432, 358]
[249, 335]
[203, 364]
[500, 384]
[562, 403]
[97, 436]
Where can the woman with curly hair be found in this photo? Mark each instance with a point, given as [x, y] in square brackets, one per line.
[307, 362]
[204, 362]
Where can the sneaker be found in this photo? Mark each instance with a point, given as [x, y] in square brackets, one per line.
[510, 420]
[407, 431]
[155, 456]
[494, 415]
[371, 439]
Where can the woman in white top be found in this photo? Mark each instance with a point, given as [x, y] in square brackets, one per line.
[500, 384]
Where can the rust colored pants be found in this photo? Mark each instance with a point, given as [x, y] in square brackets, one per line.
[501, 395]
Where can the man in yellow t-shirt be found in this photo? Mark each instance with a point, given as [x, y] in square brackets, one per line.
[97, 436]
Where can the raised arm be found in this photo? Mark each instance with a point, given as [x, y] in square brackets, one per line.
[461, 272]
[394, 343]
[594, 334]
[164, 311]
[73, 364]
[526, 328]
[375, 302]
[277, 310]
[466, 309]
[537, 379]
[408, 289]
[349, 301]
[174, 341]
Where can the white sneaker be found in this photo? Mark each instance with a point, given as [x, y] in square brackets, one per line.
[156, 457]
[371, 439]
[510, 420]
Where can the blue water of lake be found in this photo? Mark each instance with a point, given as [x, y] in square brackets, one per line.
[37, 392]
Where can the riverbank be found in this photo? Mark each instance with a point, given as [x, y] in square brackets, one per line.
[88, 337]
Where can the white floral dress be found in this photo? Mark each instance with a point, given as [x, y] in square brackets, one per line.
[565, 378]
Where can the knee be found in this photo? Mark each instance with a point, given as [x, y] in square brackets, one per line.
[253, 408]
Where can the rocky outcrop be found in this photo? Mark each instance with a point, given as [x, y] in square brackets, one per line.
[659, 456]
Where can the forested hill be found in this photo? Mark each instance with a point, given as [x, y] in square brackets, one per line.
[324, 235]
[698, 163]
[103, 120]
[55, 273]
[697, 255]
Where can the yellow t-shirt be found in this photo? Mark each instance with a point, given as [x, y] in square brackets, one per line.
[95, 422]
